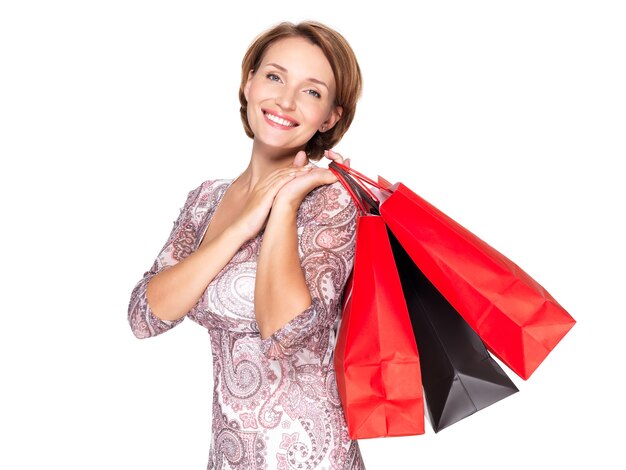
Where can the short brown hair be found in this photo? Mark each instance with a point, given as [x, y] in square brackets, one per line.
[342, 62]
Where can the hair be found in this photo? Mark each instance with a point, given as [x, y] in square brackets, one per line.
[342, 62]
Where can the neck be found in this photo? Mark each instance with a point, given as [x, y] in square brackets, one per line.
[262, 162]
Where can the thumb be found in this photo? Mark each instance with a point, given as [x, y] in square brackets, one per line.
[300, 159]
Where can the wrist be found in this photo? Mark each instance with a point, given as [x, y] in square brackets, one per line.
[285, 206]
[237, 232]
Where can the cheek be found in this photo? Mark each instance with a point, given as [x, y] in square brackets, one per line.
[256, 90]
[316, 113]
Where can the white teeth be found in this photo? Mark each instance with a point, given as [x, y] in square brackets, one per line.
[279, 120]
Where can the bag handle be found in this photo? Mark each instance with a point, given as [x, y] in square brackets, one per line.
[349, 187]
[363, 190]
[362, 178]
[358, 190]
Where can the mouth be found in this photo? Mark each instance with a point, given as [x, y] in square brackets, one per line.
[279, 120]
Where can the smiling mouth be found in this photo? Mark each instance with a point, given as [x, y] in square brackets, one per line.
[279, 120]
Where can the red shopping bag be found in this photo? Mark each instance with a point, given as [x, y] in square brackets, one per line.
[376, 359]
[519, 321]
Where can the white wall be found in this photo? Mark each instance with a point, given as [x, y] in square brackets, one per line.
[508, 116]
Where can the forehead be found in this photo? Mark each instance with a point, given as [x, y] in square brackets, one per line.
[300, 57]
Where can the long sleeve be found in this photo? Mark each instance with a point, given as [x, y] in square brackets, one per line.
[326, 236]
[179, 245]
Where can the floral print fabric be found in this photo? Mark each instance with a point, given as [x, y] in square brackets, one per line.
[275, 401]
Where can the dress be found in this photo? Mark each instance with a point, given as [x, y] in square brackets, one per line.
[275, 401]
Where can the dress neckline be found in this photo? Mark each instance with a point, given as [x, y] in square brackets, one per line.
[211, 213]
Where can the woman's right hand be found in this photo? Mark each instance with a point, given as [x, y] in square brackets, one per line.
[256, 211]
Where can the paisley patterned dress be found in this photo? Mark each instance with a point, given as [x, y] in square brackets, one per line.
[275, 401]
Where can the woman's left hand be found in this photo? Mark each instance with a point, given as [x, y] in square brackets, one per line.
[334, 156]
[295, 191]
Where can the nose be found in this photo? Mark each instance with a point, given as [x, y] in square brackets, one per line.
[286, 98]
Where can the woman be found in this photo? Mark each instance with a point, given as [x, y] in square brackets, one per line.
[261, 261]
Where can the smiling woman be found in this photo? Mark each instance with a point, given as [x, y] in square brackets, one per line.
[328, 50]
[261, 261]
[284, 94]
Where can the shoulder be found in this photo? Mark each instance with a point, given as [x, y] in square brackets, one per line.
[210, 186]
[206, 192]
[329, 204]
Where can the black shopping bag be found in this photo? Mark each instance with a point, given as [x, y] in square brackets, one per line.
[458, 374]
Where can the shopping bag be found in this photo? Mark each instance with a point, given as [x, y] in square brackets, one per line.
[517, 319]
[458, 374]
[376, 360]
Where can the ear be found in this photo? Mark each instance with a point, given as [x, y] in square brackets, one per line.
[334, 116]
[246, 88]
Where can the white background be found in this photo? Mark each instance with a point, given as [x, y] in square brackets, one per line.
[508, 116]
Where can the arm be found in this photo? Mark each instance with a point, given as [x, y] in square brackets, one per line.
[174, 291]
[280, 291]
[178, 277]
[301, 276]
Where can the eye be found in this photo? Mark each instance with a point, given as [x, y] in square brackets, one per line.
[273, 77]
[314, 93]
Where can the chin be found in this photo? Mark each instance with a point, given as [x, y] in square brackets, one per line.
[280, 146]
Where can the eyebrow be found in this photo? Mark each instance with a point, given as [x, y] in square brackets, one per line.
[283, 69]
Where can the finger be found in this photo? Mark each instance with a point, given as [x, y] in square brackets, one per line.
[328, 177]
[332, 155]
[346, 162]
[300, 159]
[285, 179]
[280, 173]
[300, 171]
[272, 186]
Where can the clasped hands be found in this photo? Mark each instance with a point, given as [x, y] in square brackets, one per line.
[305, 178]
[283, 190]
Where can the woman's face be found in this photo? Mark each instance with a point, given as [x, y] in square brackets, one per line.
[291, 96]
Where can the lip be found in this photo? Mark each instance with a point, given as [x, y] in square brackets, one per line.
[280, 115]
